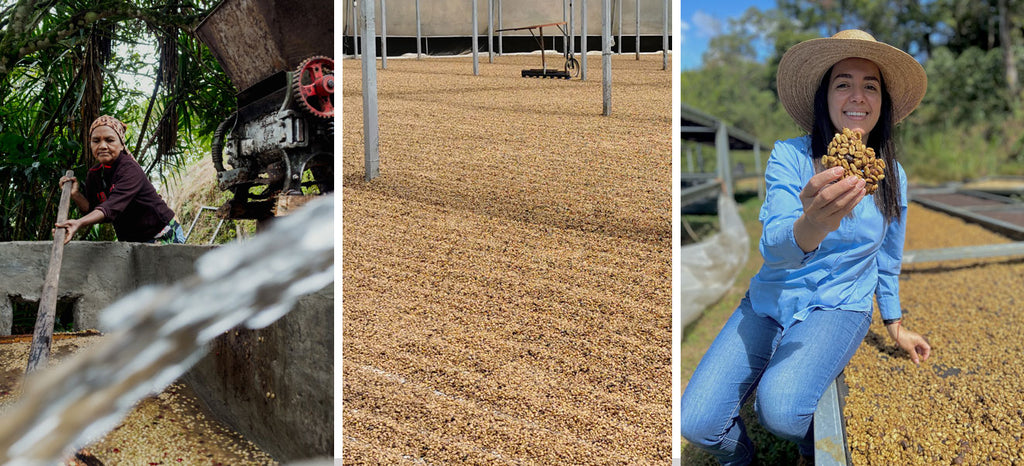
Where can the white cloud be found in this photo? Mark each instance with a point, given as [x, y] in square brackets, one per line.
[685, 27]
[707, 26]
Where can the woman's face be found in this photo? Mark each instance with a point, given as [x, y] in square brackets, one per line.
[855, 95]
[106, 145]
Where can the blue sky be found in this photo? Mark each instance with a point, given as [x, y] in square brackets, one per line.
[702, 20]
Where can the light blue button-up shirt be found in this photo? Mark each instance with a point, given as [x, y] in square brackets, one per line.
[859, 261]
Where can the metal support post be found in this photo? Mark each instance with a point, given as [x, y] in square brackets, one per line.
[490, 31]
[724, 166]
[476, 52]
[565, 19]
[583, 43]
[355, 30]
[637, 44]
[572, 39]
[384, 34]
[419, 32]
[619, 43]
[371, 131]
[606, 56]
[664, 38]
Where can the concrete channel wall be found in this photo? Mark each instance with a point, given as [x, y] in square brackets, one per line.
[273, 385]
[92, 276]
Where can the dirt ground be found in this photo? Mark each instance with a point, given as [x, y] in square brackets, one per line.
[172, 427]
[507, 278]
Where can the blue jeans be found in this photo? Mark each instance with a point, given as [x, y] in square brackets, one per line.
[790, 370]
[173, 234]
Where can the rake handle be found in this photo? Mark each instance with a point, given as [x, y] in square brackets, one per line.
[42, 336]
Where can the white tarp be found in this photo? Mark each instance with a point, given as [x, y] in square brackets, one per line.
[709, 268]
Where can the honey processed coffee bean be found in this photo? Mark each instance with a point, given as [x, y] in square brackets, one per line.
[848, 151]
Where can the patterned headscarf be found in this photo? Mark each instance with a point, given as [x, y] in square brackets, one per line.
[111, 122]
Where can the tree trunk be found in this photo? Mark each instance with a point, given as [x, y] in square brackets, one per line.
[1009, 61]
[96, 52]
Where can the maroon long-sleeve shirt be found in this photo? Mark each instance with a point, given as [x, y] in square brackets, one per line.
[124, 194]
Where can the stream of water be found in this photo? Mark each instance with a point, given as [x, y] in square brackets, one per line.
[157, 333]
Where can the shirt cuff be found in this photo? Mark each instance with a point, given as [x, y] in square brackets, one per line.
[779, 249]
[889, 308]
[806, 256]
[103, 210]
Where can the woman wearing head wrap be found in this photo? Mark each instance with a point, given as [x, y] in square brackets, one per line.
[830, 250]
[118, 191]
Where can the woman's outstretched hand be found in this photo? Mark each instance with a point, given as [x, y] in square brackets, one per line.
[826, 201]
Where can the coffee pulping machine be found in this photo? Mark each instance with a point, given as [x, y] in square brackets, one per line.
[279, 144]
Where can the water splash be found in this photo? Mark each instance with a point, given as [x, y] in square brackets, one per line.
[158, 333]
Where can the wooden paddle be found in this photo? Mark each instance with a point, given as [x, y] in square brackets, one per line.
[42, 337]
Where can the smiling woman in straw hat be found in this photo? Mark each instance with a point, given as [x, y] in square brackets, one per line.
[830, 249]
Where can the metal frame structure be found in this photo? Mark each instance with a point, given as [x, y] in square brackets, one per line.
[407, 15]
[700, 127]
[996, 212]
[830, 448]
[365, 23]
[539, 37]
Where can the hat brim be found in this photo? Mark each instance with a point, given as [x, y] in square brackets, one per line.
[803, 66]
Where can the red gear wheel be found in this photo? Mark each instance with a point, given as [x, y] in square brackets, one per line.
[314, 86]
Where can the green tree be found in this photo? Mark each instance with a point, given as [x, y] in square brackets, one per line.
[964, 88]
[740, 95]
[905, 24]
[739, 45]
[735, 85]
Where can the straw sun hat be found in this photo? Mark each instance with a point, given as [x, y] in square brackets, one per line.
[804, 64]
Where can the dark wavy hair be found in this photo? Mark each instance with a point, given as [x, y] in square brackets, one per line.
[887, 198]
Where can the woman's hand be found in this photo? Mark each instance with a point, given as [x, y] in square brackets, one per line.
[74, 183]
[826, 201]
[72, 225]
[911, 342]
[76, 196]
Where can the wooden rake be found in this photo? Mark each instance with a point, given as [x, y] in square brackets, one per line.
[42, 336]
